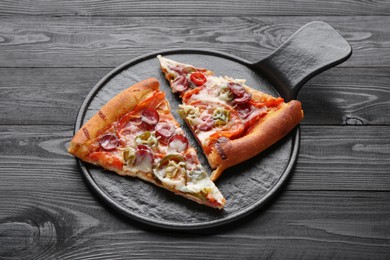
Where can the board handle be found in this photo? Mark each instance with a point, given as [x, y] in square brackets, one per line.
[314, 48]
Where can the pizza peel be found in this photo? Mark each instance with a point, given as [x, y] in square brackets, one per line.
[248, 186]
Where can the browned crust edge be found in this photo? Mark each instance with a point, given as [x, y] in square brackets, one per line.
[118, 106]
[273, 127]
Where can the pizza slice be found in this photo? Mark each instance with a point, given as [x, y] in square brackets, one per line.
[135, 134]
[231, 121]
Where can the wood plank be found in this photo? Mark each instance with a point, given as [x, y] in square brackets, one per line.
[194, 8]
[340, 96]
[56, 225]
[330, 158]
[35, 41]
[347, 96]
[45, 96]
[343, 158]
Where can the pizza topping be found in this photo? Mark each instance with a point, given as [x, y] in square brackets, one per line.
[244, 110]
[181, 69]
[146, 138]
[190, 110]
[206, 123]
[189, 113]
[203, 94]
[221, 116]
[254, 117]
[180, 84]
[225, 94]
[172, 163]
[178, 143]
[203, 136]
[171, 170]
[150, 116]
[143, 147]
[237, 89]
[128, 156]
[143, 160]
[243, 99]
[108, 142]
[164, 130]
[198, 78]
[197, 174]
[239, 92]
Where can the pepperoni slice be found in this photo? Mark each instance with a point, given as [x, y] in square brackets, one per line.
[108, 142]
[150, 117]
[143, 147]
[176, 68]
[198, 78]
[244, 110]
[207, 122]
[144, 160]
[243, 99]
[182, 70]
[131, 127]
[237, 89]
[178, 143]
[164, 130]
[128, 119]
[180, 84]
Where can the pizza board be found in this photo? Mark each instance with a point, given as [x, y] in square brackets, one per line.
[248, 186]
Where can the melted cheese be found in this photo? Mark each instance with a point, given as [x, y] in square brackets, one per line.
[206, 98]
[198, 186]
[210, 93]
[177, 146]
[204, 136]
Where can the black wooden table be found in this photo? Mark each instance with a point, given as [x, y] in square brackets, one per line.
[336, 203]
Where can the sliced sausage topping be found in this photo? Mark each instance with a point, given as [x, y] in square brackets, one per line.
[108, 142]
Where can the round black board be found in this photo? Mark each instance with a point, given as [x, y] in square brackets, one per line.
[246, 187]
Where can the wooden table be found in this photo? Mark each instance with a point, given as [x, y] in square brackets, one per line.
[337, 202]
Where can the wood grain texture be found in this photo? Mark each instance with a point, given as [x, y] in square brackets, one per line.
[348, 158]
[334, 206]
[54, 95]
[330, 158]
[193, 8]
[347, 96]
[68, 225]
[110, 41]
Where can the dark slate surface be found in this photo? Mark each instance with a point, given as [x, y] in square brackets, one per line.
[334, 206]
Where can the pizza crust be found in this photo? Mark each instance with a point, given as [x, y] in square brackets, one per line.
[274, 126]
[109, 113]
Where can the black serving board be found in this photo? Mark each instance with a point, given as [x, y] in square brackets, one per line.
[247, 186]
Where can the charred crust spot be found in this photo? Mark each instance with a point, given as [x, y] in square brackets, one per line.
[102, 116]
[86, 133]
[220, 149]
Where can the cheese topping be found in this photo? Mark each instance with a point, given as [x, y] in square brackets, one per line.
[177, 145]
[203, 136]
